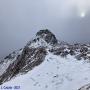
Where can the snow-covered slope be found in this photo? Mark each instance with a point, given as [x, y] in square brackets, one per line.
[55, 73]
[24, 60]
[46, 64]
[4, 64]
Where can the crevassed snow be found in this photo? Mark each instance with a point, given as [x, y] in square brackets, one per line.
[55, 73]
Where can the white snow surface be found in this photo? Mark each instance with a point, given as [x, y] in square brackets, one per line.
[39, 43]
[55, 73]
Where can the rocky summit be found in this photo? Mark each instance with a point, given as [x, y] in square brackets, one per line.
[48, 36]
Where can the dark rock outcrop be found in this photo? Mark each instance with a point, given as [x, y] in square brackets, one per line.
[25, 62]
[48, 36]
[86, 87]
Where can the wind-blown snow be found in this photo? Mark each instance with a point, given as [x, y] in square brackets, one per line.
[55, 73]
[39, 43]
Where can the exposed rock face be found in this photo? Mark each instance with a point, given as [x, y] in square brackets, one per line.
[48, 36]
[86, 87]
[79, 51]
[27, 58]
[25, 62]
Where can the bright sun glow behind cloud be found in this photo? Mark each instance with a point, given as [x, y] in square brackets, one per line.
[70, 8]
[83, 14]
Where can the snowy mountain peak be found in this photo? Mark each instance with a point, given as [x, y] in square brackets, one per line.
[43, 38]
[58, 64]
[48, 36]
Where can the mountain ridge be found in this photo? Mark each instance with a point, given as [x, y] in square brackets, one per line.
[35, 52]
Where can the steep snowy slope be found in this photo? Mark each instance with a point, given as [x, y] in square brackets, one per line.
[55, 73]
[4, 64]
[24, 60]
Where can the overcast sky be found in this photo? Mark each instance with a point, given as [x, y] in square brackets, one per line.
[69, 20]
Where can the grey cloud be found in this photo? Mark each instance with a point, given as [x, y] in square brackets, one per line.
[21, 19]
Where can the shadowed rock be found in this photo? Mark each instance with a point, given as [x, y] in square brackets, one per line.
[25, 62]
[48, 36]
[86, 87]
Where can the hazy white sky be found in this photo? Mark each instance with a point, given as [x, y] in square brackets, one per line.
[21, 19]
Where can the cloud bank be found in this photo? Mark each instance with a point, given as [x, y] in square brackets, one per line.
[68, 8]
[21, 19]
